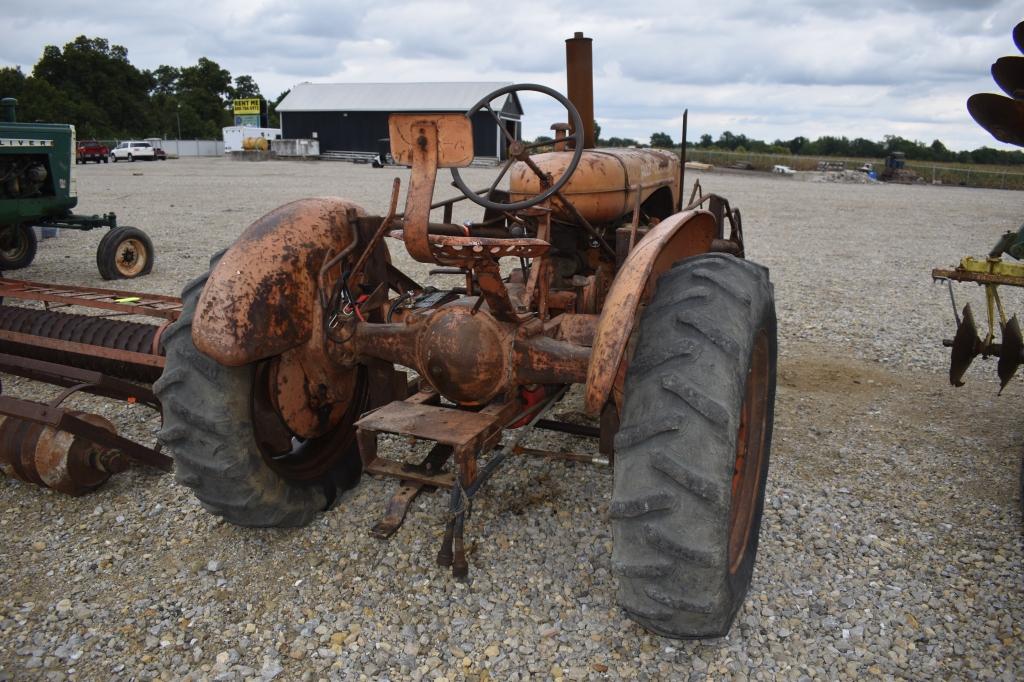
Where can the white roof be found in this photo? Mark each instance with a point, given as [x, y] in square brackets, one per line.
[387, 96]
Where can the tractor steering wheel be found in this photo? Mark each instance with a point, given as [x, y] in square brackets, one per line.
[520, 151]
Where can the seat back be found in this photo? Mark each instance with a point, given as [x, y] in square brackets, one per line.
[454, 138]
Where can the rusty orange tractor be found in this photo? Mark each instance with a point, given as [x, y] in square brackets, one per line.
[281, 371]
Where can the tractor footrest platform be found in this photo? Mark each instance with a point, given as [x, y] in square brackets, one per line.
[458, 428]
[465, 432]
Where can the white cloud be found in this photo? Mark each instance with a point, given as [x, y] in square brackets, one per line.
[768, 70]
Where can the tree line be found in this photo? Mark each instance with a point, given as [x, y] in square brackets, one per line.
[827, 145]
[91, 84]
[830, 145]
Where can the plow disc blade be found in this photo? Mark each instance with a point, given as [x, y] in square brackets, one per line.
[1009, 354]
[966, 347]
[1001, 116]
[1008, 73]
[1018, 36]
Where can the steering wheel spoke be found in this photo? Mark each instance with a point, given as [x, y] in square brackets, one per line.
[501, 125]
[504, 169]
[546, 143]
[518, 151]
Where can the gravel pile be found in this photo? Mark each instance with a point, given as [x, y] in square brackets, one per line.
[844, 176]
[891, 539]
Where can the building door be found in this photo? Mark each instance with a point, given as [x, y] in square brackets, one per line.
[512, 128]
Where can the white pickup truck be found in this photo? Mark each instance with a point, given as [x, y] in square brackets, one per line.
[131, 151]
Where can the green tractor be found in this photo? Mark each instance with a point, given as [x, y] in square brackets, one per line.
[37, 188]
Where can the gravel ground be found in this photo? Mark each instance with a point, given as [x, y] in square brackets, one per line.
[891, 545]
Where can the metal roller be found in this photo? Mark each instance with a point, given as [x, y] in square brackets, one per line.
[117, 335]
[56, 459]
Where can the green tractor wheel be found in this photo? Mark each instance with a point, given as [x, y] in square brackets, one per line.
[18, 245]
[124, 253]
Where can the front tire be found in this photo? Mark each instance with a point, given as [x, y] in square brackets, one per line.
[213, 426]
[18, 246]
[124, 253]
[693, 448]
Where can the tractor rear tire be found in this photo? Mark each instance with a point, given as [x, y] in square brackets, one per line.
[209, 425]
[18, 246]
[693, 447]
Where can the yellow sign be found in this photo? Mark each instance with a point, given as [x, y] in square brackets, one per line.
[245, 107]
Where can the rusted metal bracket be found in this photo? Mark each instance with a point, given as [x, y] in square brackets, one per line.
[960, 275]
[562, 455]
[453, 551]
[86, 380]
[408, 490]
[167, 307]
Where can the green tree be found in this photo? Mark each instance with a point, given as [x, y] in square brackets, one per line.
[12, 81]
[939, 152]
[204, 93]
[864, 148]
[245, 88]
[661, 140]
[705, 141]
[165, 80]
[727, 141]
[103, 94]
[622, 142]
[274, 118]
[797, 144]
[40, 102]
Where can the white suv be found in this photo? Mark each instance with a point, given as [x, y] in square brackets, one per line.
[132, 151]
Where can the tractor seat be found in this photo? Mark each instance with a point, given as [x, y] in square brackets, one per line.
[476, 247]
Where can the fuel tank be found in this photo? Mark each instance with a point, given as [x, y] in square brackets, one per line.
[603, 187]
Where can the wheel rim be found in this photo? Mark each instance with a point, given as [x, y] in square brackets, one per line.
[14, 244]
[749, 453]
[292, 457]
[131, 257]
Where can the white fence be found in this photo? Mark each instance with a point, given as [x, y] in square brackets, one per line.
[193, 147]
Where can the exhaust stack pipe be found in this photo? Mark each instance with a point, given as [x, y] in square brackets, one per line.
[7, 107]
[579, 69]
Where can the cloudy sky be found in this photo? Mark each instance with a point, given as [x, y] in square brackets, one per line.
[860, 68]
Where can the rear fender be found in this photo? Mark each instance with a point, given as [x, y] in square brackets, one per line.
[679, 236]
[260, 299]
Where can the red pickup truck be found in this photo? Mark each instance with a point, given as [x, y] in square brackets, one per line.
[91, 150]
